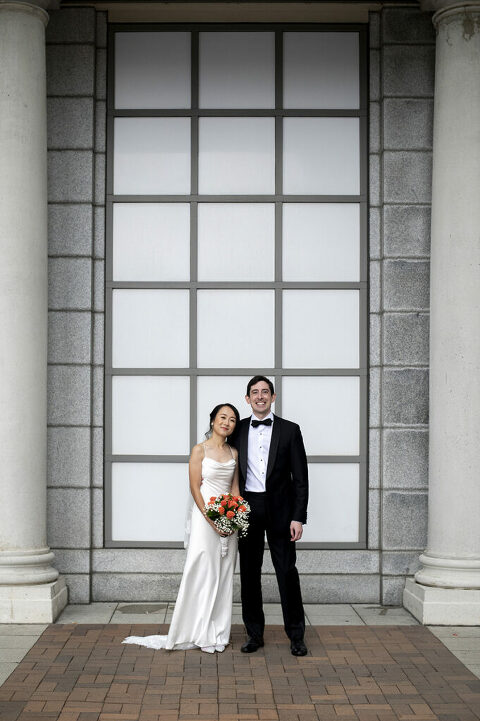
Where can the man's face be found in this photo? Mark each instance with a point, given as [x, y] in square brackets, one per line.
[260, 399]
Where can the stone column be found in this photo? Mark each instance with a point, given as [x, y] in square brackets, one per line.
[30, 590]
[446, 589]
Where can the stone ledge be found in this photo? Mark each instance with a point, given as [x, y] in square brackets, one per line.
[171, 561]
[327, 588]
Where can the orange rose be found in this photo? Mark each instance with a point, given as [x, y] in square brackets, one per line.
[221, 510]
[242, 508]
[232, 504]
[213, 498]
[223, 503]
[230, 514]
[239, 498]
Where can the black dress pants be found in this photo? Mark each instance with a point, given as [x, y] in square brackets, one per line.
[282, 551]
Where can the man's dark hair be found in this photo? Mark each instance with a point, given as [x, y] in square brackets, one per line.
[256, 379]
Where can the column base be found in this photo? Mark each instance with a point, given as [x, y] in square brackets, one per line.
[434, 606]
[41, 603]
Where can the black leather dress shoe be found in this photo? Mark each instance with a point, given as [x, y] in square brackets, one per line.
[252, 644]
[298, 648]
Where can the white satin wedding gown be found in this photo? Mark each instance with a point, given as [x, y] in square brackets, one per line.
[203, 609]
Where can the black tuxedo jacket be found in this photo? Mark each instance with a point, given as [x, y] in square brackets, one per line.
[287, 473]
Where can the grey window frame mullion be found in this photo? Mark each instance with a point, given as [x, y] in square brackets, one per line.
[239, 285]
[278, 216]
[193, 320]
[278, 382]
[364, 325]
[152, 458]
[194, 54]
[240, 113]
[193, 372]
[311, 372]
[107, 374]
[237, 198]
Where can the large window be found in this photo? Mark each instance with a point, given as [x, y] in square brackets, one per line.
[236, 231]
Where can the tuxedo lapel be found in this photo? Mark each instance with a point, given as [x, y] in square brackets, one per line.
[243, 446]
[272, 454]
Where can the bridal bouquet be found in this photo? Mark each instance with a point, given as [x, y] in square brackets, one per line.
[229, 514]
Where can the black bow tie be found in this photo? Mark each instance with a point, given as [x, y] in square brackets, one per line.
[266, 422]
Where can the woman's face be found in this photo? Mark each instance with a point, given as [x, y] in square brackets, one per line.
[224, 422]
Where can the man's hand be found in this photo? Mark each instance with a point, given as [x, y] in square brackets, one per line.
[296, 530]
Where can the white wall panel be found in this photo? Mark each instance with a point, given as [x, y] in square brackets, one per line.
[321, 70]
[151, 241]
[150, 415]
[321, 156]
[150, 328]
[321, 242]
[236, 241]
[152, 70]
[328, 411]
[235, 328]
[333, 506]
[321, 329]
[149, 501]
[212, 390]
[237, 70]
[151, 156]
[236, 156]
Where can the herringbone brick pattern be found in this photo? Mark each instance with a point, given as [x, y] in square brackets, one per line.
[352, 673]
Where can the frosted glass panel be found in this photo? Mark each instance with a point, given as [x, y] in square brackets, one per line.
[152, 70]
[333, 504]
[150, 415]
[236, 241]
[151, 156]
[321, 242]
[328, 411]
[332, 337]
[321, 70]
[151, 241]
[236, 156]
[321, 156]
[235, 328]
[150, 328]
[141, 495]
[237, 70]
[212, 390]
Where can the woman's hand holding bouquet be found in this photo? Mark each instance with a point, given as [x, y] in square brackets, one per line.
[228, 514]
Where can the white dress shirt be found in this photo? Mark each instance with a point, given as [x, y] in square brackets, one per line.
[258, 448]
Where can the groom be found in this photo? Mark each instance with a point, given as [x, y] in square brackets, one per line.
[274, 481]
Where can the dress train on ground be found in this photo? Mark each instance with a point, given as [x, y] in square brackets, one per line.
[203, 609]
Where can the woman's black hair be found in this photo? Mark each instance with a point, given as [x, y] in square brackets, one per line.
[213, 415]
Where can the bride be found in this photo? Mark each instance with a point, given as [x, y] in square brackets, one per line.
[203, 610]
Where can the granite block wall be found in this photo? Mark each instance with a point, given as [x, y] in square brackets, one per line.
[76, 57]
[401, 106]
[402, 57]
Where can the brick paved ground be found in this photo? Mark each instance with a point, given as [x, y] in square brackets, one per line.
[365, 673]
